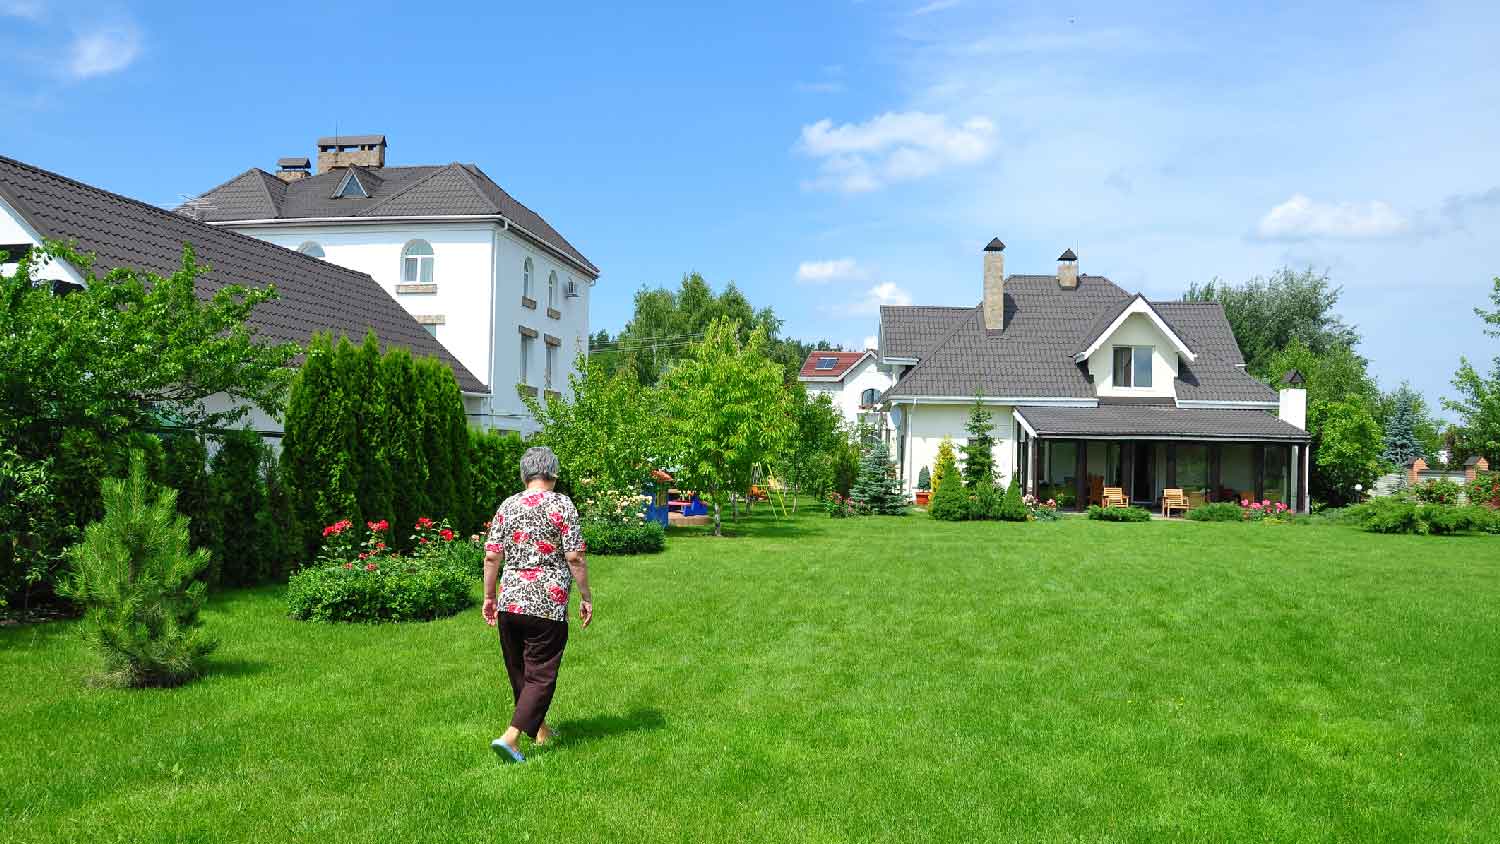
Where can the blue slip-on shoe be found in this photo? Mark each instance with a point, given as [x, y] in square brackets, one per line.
[506, 752]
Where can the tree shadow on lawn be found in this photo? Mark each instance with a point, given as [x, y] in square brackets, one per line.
[579, 731]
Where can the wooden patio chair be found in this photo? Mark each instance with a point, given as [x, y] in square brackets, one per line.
[1114, 496]
[1096, 490]
[1173, 499]
[1196, 498]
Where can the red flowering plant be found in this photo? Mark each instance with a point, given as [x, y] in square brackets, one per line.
[1264, 511]
[360, 577]
[437, 541]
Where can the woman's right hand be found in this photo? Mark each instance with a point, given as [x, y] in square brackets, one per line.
[491, 612]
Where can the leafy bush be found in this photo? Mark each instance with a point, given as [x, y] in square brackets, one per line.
[1485, 489]
[950, 501]
[1438, 491]
[494, 470]
[1013, 509]
[1119, 514]
[1221, 511]
[604, 539]
[1394, 515]
[139, 585]
[985, 501]
[359, 577]
[251, 546]
[837, 506]
[1041, 511]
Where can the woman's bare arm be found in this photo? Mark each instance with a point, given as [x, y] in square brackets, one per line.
[492, 561]
[580, 568]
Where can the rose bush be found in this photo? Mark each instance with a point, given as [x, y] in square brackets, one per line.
[359, 578]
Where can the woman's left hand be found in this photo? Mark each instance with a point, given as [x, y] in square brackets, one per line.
[490, 612]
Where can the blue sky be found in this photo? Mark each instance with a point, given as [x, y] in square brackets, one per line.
[830, 157]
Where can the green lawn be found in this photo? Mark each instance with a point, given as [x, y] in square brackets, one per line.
[866, 680]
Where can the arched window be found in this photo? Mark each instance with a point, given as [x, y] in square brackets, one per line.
[867, 398]
[526, 279]
[552, 291]
[312, 248]
[416, 262]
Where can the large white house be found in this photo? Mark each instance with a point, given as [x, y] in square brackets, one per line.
[484, 274]
[853, 381]
[1091, 386]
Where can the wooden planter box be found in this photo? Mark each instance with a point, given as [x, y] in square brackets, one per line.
[923, 496]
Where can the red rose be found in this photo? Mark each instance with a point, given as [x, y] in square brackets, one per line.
[380, 545]
[558, 594]
[424, 522]
[446, 534]
[363, 555]
[529, 575]
[371, 567]
[545, 547]
[348, 565]
[422, 539]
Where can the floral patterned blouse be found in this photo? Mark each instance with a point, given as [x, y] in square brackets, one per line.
[535, 531]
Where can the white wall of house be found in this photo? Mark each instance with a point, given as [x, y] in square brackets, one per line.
[476, 306]
[927, 424]
[846, 393]
[1136, 330]
[15, 229]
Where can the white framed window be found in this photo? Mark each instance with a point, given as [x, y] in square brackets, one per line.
[867, 398]
[552, 290]
[551, 364]
[1132, 366]
[526, 273]
[312, 248]
[526, 343]
[416, 262]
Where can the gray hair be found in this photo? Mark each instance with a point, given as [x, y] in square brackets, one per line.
[539, 462]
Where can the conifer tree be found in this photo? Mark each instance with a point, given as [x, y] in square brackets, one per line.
[318, 447]
[139, 585]
[1401, 441]
[946, 463]
[365, 392]
[924, 479]
[245, 544]
[1013, 508]
[877, 488]
[950, 500]
[437, 451]
[979, 451]
[405, 452]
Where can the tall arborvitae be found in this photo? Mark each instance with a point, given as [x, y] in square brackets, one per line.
[372, 425]
[244, 551]
[979, 451]
[184, 467]
[318, 447]
[433, 388]
[404, 443]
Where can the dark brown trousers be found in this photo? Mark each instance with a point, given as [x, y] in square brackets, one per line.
[533, 649]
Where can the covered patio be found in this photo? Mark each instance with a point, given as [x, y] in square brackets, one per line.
[1213, 454]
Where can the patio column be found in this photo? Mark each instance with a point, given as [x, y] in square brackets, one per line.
[1080, 474]
[1171, 466]
[1215, 457]
[1031, 467]
[1303, 499]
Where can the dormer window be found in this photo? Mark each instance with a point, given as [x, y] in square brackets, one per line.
[350, 188]
[1133, 366]
[827, 363]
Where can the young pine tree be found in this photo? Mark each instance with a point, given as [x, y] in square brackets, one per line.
[947, 461]
[924, 479]
[877, 488]
[979, 451]
[1013, 508]
[139, 585]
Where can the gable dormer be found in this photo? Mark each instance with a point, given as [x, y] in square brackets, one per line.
[1131, 351]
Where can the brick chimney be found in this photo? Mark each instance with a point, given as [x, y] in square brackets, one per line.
[1414, 471]
[1473, 466]
[347, 150]
[1067, 270]
[292, 169]
[994, 285]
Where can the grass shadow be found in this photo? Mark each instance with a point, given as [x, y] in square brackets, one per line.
[235, 667]
[579, 731]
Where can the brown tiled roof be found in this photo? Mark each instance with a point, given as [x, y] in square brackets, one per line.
[842, 362]
[314, 295]
[455, 188]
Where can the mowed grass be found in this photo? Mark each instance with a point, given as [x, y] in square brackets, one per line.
[866, 680]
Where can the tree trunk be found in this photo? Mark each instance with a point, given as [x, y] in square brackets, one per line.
[796, 494]
[718, 527]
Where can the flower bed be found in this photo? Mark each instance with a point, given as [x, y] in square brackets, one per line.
[361, 579]
[1041, 511]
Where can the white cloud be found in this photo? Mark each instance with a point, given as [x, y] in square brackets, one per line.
[824, 272]
[892, 147]
[1303, 218]
[103, 51]
[871, 342]
[935, 6]
[885, 293]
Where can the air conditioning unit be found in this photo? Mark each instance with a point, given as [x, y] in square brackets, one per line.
[571, 290]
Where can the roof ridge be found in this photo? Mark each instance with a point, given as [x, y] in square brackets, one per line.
[370, 211]
[478, 172]
[220, 186]
[266, 186]
[932, 350]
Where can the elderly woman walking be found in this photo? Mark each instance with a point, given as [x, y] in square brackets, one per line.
[535, 551]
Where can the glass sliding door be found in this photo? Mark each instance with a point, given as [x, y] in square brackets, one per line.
[1278, 474]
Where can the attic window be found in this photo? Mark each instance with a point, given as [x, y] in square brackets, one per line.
[827, 363]
[14, 252]
[350, 188]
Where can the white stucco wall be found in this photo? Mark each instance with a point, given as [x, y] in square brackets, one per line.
[1136, 330]
[926, 425]
[477, 269]
[14, 229]
[846, 393]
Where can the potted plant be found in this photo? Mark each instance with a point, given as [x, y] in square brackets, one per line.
[924, 487]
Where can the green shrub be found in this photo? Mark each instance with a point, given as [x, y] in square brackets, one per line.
[606, 539]
[394, 589]
[139, 586]
[924, 480]
[1221, 511]
[1395, 515]
[985, 501]
[950, 501]
[1438, 491]
[1485, 489]
[877, 490]
[494, 471]
[1119, 514]
[249, 548]
[1013, 509]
